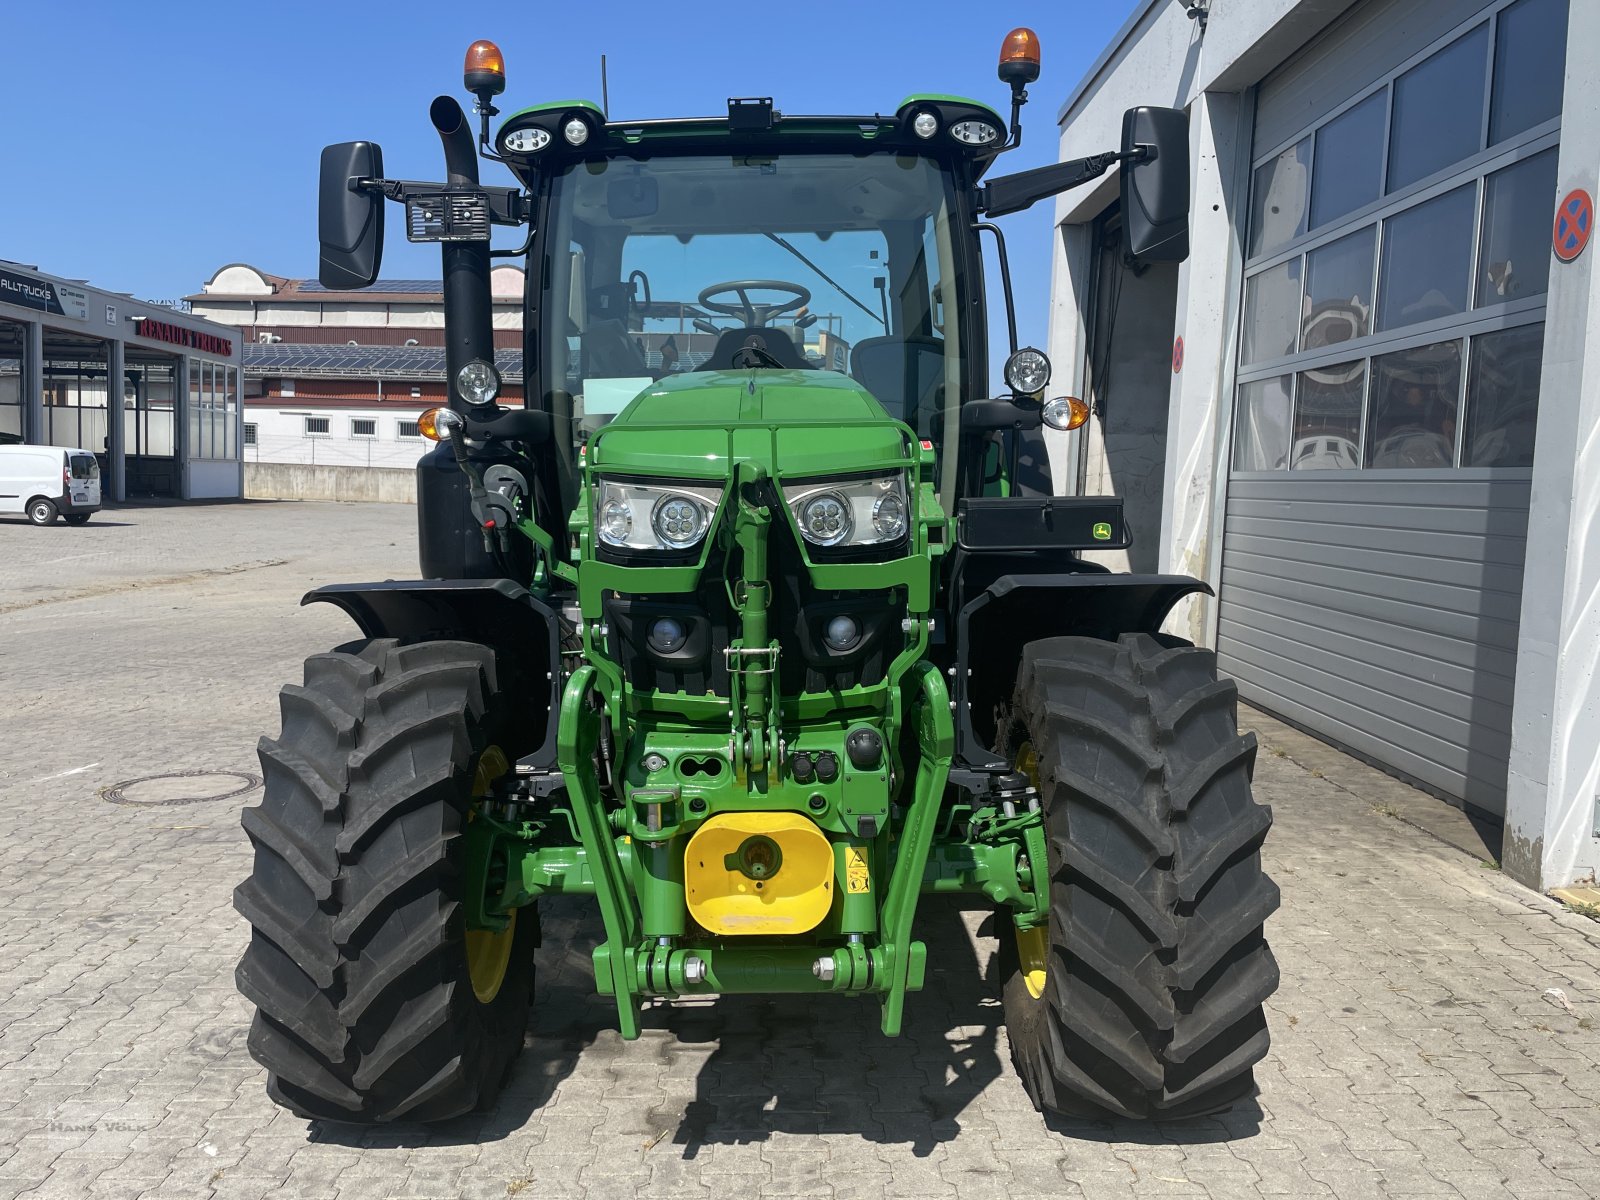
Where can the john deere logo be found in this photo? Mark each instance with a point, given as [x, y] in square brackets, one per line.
[1102, 531]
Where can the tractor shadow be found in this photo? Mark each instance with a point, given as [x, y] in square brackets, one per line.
[792, 1065]
[820, 1065]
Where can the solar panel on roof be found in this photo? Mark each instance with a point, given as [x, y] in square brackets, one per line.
[287, 358]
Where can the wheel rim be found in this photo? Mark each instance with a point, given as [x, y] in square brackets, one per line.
[489, 950]
[1033, 945]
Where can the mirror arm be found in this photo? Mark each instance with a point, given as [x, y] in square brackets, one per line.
[1013, 193]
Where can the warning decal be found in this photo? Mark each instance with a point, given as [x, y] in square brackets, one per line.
[857, 876]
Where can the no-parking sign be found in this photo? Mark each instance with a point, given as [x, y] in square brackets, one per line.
[1574, 224]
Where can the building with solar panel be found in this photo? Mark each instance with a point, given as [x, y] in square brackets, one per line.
[338, 379]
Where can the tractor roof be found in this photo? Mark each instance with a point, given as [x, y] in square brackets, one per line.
[537, 133]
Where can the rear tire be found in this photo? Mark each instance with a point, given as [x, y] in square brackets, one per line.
[76, 518]
[357, 964]
[42, 511]
[1157, 964]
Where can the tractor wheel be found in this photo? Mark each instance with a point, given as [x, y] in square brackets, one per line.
[1143, 996]
[373, 1001]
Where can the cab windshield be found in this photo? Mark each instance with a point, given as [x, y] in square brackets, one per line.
[668, 265]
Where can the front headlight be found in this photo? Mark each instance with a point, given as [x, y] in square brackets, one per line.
[478, 382]
[850, 512]
[653, 516]
[1027, 371]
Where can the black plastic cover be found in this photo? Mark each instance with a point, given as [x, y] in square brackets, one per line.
[996, 523]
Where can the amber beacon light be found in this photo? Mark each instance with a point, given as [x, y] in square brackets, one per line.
[485, 69]
[1019, 56]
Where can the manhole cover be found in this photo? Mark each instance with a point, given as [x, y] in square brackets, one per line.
[180, 787]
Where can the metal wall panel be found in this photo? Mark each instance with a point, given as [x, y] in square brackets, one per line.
[1382, 614]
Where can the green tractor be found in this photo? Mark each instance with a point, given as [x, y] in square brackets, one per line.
[757, 621]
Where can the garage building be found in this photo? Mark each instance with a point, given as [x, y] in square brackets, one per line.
[1365, 410]
[62, 342]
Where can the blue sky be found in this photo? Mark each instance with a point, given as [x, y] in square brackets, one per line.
[150, 144]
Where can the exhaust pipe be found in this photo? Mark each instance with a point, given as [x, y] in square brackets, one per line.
[469, 330]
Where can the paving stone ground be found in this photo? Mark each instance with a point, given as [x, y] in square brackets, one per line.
[1435, 1035]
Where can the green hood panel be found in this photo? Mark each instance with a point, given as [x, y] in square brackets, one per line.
[798, 423]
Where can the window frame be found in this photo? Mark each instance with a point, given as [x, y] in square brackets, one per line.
[370, 436]
[1473, 170]
[307, 431]
[400, 429]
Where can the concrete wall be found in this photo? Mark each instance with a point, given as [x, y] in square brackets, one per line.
[294, 481]
[1553, 793]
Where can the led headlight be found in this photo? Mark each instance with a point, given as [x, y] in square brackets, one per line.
[653, 516]
[974, 133]
[478, 382]
[1027, 371]
[576, 131]
[526, 141]
[850, 512]
[925, 124]
[679, 521]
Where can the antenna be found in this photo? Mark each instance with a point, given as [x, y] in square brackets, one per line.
[605, 96]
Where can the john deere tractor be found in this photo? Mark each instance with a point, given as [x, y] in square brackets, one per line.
[752, 614]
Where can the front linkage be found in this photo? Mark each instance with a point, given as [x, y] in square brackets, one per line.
[776, 829]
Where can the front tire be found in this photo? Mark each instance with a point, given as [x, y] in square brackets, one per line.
[373, 1001]
[1148, 1000]
[42, 511]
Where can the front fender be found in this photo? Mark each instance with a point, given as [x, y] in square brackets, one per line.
[1012, 610]
[524, 631]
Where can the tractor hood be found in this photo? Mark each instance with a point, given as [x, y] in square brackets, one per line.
[696, 425]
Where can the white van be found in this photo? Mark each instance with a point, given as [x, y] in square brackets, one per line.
[49, 481]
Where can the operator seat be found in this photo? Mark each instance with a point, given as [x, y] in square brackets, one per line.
[770, 339]
[610, 351]
[903, 373]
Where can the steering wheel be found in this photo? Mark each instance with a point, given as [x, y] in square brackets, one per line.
[755, 315]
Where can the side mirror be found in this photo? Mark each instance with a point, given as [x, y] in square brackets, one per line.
[1155, 191]
[349, 222]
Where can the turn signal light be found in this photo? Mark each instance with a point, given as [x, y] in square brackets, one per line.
[485, 69]
[1019, 56]
[1065, 412]
[428, 425]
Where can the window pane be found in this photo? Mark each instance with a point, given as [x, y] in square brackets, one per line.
[1261, 430]
[1338, 304]
[1530, 56]
[1514, 261]
[1272, 312]
[1427, 260]
[1349, 160]
[1278, 200]
[1327, 418]
[1438, 110]
[1414, 396]
[1503, 397]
